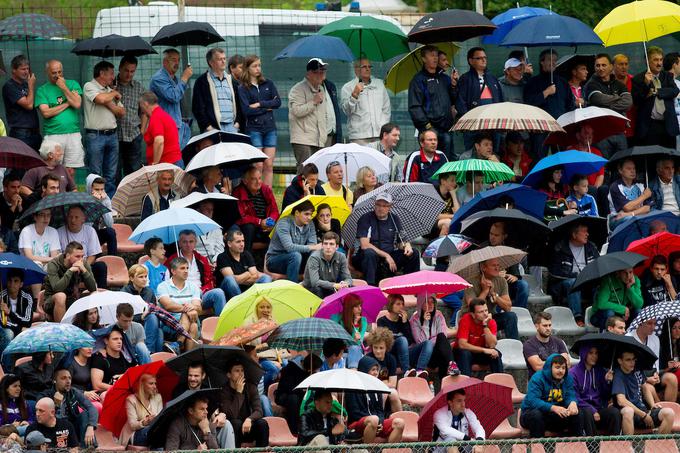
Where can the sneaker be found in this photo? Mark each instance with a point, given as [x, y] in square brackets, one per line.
[579, 321]
[453, 369]
[423, 374]
[410, 373]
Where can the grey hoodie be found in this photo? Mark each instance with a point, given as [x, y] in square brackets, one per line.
[323, 273]
[108, 217]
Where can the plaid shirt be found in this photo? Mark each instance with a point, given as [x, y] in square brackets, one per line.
[128, 125]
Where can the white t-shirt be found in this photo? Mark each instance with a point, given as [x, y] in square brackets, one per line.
[669, 202]
[87, 237]
[652, 343]
[40, 244]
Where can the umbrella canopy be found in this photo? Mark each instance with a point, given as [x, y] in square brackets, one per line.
[605, 265]
[372, 301]
[643, 153]
[16, 154]
[491, 403]
[663, 243]
[509, 19]
[572, 162]
[343, 380]
[49, 336]
[609, 345]
[338, 206]
[467, 266]
[450, 25]
[225, 211]
[114, 403]
[127, 201]
[215, 136]
[307, 334]
[106, 302]
[638, 227]
[32, 272]
[424, 282]
[189, 33]
[166, 225]
[400, 74]
[317, 46]
[244, 335]
[639, 21]
[226, 155]
[32, 26]
[215, 360]
[352, 157]
[507, 116]
[417, 206]
[660, 311]
[112, 46]
[60, 203]
[289, 301]
[492, 171]
[551, 30]
[478, 225]
[597, 228]
[565, 64]
[603, 122]
[451, 244]
[369, 37]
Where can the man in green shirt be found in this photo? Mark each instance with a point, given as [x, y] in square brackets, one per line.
[619, 294]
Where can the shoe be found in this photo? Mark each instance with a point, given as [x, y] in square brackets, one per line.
[580, 322]
[453, 369]
[168, 348]
[423, 374]
[410, 373]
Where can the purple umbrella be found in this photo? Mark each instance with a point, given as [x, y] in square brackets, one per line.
[16, 154]
[373, 300]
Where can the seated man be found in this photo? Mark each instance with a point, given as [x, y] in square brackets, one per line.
[133, 331]
[159, 200]
[657, 284]
[518, 289]
[192, 429]
[294, 239]
[637, 410]
[550, 402]
[235, 271]
[627, 197]
[317, 427]
[482, 148]
[618, 294]
[334, 354]
[256, 206]
[49, 185]
[11, 203]
[52, 153]
[456, 422]
[423, 163]
[304, 184]
[110, 363]
[383, 252]
[366, 413]
[327, 270]
[335, 187]
[616, 325]
[17, 305]
[75, 229]
[65, 273]
[95, 186]
[476, 340]
[59, 432]
[210, 244]
[538, 348]
[195, 379]
[182, 298]
[72, 404]
[666, 187]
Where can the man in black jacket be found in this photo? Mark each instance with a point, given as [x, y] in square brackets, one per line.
[72, 404]
[317, 427]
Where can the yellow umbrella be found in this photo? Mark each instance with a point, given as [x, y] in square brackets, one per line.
[338, 206]
[400, 75]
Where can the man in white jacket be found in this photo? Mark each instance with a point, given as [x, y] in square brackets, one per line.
[366, 103]
[456, 423]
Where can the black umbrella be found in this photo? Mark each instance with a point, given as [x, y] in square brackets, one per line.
[605, 265]
[643, 151]
[158, 429]
[609, 345]
[215, 136]
[450, 25]
[60, 203]
[567, 63]
[215, 360]
[597, 228]
[186, 34]
[113, 46]
[517, 224]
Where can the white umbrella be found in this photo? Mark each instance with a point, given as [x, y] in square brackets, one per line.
[106, 302]
[343, 380]
[226, 154]
[352, 157]
[196, 197]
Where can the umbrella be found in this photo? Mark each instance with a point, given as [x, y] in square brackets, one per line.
[307, 334]
[317, 46]
[49, 336]
[169, 320]
[467, 266]
[372, 302]
[215, 360]
[509, 19]
[113, 45]
[338, 206]
[400, 74]
[604, 123]
[643, 153]
[491, 403]
[424, 282]
[166, 225]
[189, 33]
[658, 244]
[416, 204]
[244, 335]
[225, 155]
[225, 211]
[32, 272]
[660, 311]
[572, 162]
[450, 25]
[608, 344]
[451, 244]
[215, 136]
[60, 204]
[551, 30]
[368, 36]
[31, 26]
[106, 302]
[343, 380]
[633, 228]
[492, 171]
[507, 116]
[18, 155]
[352, 157]
[597, 227]
[605, 265]
[478, 225]
[114, 403]
[127, 201]
[289, 301]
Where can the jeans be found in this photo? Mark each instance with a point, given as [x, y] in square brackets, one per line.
[369, 259]
[266, 406]
[400, 351]
[140, 437]
[100, 272]
[519, 293]
[31, 137]
[271, 372]
[507, 322]
[131, 157]
[101, 157]
[454, 301]
[153, 333]
[214, 299]
[231, 288]
[465, 359]
[80, 423]
[290, 263]
[420, 354]
[142, 353]
[354, 354]
[228, 127]
[560, 291]
[445, 141]
[184, 132]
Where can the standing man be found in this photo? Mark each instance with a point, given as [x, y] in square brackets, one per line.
[621, 74]
[130, 127]
[170, 91]
[59, 101]
[389, 139]
[421, 165]
[366, 103]
[538, 348]
[513, 81]
[102, 107]
[476, 340]
[18, 94]
[160, 132]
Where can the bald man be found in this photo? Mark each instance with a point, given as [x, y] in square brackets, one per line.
[59, 432]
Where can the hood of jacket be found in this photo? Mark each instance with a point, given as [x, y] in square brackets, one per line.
[89, 180]
[366, 363]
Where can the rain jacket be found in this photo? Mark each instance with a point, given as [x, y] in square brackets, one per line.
[613, 295]
[469, 92]
[262, 118]
[562, 261]
[367, 114]
[543, 391]
[430, 97]
[592, 389]
[107, 218]
[556, 104]
[364, 404]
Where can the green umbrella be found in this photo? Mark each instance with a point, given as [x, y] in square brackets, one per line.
[369, 37]
[307, 334]
[492, 171]
[60, 203]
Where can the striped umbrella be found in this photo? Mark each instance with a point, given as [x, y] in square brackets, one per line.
[492, 171]
[60, 204]
[467, 266]
[49, 337]
[307, 334]
[507, 116]
[16, 154]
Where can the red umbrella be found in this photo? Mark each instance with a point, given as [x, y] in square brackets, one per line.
[113, 416]
[16, 154]
[491, 403]
[658, 244]
[424, 282]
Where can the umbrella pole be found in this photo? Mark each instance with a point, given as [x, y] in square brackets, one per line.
[526, 50]
[206, 250]
[347, 174]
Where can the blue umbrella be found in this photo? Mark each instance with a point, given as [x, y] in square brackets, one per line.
[49, 336]
[510, 19]
[166, 225]
[634, 228]
[32, 272]
[551, 30]
[527, 200]
[317, 46]
[572, 161]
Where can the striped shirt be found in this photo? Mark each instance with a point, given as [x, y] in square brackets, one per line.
[224, 98]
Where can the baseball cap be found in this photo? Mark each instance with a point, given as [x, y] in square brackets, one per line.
[36, 439]
[512, 63]
[386, 197]
[316, 64]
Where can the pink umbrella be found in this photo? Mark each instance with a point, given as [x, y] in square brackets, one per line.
[373, 300]
[424, 282]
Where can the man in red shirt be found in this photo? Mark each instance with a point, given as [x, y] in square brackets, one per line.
[476, 339]
[161, 136]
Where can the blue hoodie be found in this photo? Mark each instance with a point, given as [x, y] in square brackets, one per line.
[360, 405]
[543, 391]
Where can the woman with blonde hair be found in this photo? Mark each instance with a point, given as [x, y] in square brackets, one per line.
[355, 324]
[366, 182]
[263, 310]
[141, 408]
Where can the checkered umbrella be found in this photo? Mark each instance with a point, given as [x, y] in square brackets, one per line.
[32, 26]
[660, 311]
[16, 154]
[417, 206]
[60, 204]
[307, 334]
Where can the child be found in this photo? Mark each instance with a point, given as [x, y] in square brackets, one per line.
[104, 226]
[155, 249]
[465, 194]
[16, 306]
[579, 199]
[381, 340]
